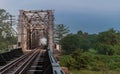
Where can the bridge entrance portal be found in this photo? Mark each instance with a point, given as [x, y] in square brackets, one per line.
[34, 26]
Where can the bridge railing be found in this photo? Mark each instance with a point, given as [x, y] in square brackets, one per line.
[52, 66]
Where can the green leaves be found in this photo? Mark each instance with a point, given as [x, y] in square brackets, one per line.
[60, 31]
[67, 61]
[6, 33]
[109, 37]
[98, 52]
[4, 23]
[108, 42]
[70, 43]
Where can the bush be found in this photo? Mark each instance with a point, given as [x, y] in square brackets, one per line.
[83, 60]
[105, 49]
[70, 43]
[86, 60]
[114, 63]
[67, 61]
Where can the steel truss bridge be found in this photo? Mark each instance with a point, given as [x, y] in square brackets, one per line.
[33, 55]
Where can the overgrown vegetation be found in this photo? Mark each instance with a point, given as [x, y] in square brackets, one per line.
[6, 34]
[95, 52]
[92, 72]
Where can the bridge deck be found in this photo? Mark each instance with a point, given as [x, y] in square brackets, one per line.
[37, 61]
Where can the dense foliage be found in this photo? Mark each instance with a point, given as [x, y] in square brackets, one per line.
[60, 31]
[6, 35]
[92, 51]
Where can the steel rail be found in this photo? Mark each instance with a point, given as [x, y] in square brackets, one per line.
[27, 63]
[14, 64]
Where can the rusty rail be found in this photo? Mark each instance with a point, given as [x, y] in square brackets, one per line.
[13, 66]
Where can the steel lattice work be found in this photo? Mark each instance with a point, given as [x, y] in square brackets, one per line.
[34, 25]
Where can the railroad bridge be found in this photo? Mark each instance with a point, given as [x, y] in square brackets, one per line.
[34, 25]
[35, 34]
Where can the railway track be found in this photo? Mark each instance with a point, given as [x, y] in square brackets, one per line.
[20, 65]
[37, 61]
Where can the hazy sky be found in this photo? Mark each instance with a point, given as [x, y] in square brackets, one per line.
[90, 16]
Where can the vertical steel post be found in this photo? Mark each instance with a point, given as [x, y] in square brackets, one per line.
[50, 30]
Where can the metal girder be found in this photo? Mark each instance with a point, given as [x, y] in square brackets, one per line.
[35, 24]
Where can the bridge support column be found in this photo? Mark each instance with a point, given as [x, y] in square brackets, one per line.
[22, 37]
[19, 27]
[50, 31]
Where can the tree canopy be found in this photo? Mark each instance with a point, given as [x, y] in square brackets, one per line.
[60, 31]
[92, 51]
[6, 34]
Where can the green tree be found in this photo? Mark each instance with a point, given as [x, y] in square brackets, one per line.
[109, 37]
[6, 33]
[70, 43]
[105, 49]
[60, 31]
[107, 42]
[5, 24]
[75, 41]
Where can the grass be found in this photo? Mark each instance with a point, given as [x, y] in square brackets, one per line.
[92, 72]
